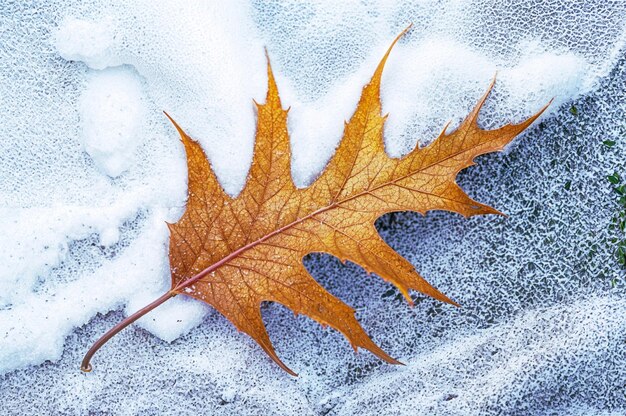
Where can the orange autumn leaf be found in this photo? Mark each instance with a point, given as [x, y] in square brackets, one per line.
[235, 253]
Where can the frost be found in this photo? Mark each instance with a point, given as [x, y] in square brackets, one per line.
[90, 170]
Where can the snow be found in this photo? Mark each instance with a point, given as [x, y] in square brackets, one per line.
[87, 41]
[110, 113]
[90, 171]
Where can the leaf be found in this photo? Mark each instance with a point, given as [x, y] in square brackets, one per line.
[235, 253]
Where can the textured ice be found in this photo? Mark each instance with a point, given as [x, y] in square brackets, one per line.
[90, 170]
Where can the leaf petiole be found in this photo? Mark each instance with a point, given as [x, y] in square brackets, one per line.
[86, 365]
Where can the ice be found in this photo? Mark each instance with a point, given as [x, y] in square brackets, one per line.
[90, 171]
[555, 341]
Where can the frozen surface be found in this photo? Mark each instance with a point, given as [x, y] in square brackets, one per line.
[90, 170]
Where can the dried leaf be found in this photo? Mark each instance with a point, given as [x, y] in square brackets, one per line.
[234, 253]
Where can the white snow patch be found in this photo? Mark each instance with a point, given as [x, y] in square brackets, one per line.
[59, 307]
[88, 41]
[112, 113]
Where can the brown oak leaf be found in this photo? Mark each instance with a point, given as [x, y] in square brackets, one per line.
[235, 253]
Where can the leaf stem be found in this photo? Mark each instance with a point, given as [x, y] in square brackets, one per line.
[86, 365]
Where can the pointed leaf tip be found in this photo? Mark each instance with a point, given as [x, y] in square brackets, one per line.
[379, 70]
[182, 133]
[272, 354]
[272, 96]
[473, 115]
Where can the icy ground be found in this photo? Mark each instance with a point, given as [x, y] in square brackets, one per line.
[90, 170]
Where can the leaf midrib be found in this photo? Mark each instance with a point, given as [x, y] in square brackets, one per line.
[236, 253]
